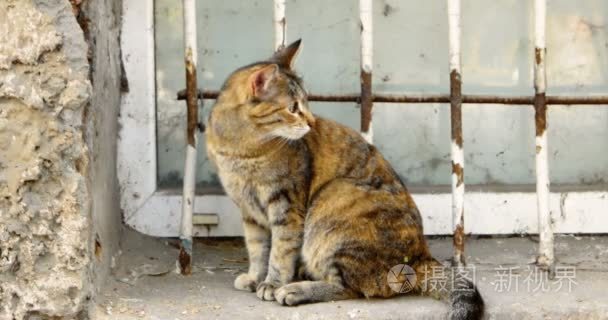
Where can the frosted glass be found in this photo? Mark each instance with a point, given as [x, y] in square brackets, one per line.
[410, 57]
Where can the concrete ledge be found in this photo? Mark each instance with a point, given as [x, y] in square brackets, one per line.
[208, 293]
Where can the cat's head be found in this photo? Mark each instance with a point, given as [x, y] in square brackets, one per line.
[267, 98]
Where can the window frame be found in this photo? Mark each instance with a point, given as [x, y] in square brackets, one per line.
[157, 212]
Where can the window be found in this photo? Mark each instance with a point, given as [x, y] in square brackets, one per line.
[410, 56]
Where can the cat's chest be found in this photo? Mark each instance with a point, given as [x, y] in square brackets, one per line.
[251, 184]
[250, 169]
[249, 180]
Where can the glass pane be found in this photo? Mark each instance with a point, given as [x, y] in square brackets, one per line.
[410, 57]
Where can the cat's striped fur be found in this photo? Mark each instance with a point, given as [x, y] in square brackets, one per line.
[324, 214]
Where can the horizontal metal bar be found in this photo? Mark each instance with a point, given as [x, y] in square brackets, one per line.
[590, 100]
[439, 98]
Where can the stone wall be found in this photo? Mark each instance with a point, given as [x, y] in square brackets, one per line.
[59, 222]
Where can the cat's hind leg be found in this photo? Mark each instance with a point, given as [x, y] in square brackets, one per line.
[302, 292]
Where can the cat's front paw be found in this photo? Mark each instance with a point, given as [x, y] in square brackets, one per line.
[265, 291]
[291, 294]
[245, 282]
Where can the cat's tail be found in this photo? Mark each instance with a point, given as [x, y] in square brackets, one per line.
[453, 286]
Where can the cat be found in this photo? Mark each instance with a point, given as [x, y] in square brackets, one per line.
[325, 216]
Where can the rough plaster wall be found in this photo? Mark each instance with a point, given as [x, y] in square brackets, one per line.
[101, 21]
[44, 197]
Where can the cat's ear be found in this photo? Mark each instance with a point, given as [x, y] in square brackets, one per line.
[261, 79]
[285, 57]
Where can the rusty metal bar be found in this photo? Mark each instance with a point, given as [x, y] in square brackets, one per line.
[438, 98]
[191, 59]
[570, 100]
[457, 151]
[365, 14]
[545, 257]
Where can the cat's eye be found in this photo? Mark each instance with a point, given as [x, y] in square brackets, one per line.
[294, 107]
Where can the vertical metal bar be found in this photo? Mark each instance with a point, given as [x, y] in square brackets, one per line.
[545, 230]
[456, 122]
[367, 43]
[280, 24]
[191, 59]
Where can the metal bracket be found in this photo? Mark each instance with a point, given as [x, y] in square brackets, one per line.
[205, 219]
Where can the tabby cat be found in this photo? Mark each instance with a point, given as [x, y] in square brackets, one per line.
[324, 214]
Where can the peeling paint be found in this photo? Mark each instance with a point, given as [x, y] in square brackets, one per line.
[458, 242]
[192, 98]
[562, 205]
[538, 54]
[458, 171]
[456, 106]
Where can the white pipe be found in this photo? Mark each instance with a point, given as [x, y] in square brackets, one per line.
[280, 24]
[546, 253]
[367, 41]
[545, 231]
[457, 152]
[454, 27]
[188, 193]
[458, 189]
[189, 7]
[367, 47]
[540, 12]
[191, 57]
